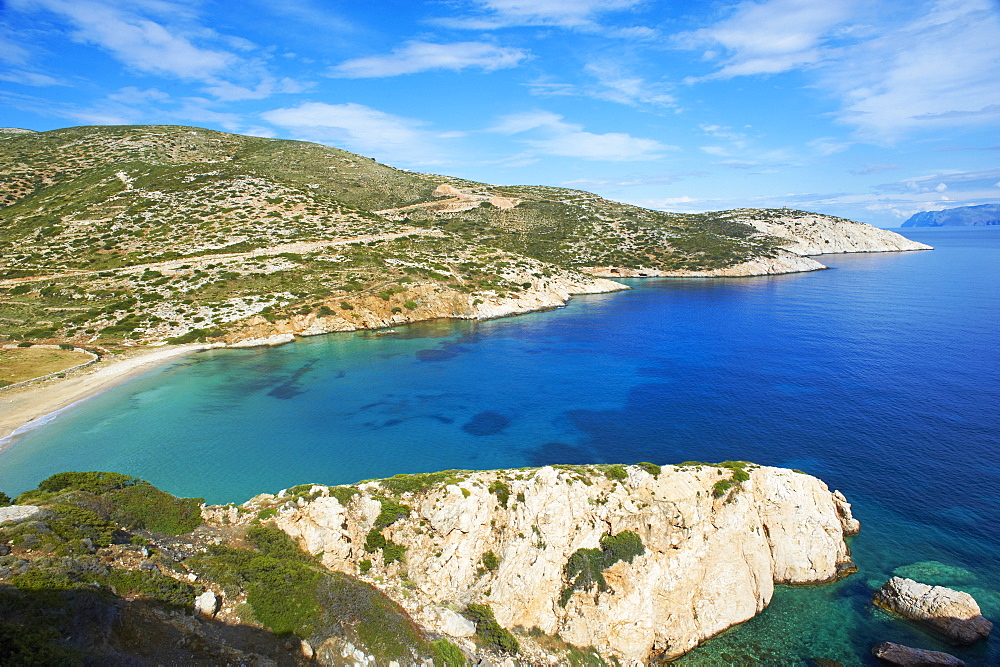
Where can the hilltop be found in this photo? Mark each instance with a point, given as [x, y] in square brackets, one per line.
[125, 235]
[985, 214]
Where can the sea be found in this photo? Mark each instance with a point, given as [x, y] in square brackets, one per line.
[880, 375]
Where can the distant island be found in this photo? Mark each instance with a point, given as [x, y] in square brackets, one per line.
[961, 216]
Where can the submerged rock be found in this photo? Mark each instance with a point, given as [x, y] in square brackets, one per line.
[952, 613]
[936, 573]
[904, 656]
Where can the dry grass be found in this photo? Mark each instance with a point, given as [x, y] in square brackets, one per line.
[23, 363]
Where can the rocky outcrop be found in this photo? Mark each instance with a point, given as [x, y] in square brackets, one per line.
[782, 262]
[18, 513]
[673, 556]
[814, 234]
[952, 613]
[419, 303]
[904, 656]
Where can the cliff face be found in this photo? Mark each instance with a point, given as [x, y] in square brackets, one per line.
[714, 541]
[812, 234]
[429, 302]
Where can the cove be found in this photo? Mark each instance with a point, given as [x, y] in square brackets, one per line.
[880, 376]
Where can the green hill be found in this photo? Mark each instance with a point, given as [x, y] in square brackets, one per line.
[136, 234]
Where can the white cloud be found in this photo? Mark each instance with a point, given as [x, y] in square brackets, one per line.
[828, 145]
[359, 128]
[422, 56]
[138, 42]
[769, 37]
[230, 92]
[617, 85]
[564, 13]
[548, 133]
[29, 78]
[937, 70]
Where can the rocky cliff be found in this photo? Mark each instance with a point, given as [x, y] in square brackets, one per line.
[639, 562]
[811, 234]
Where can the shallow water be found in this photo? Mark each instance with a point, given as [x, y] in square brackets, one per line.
[881, 376]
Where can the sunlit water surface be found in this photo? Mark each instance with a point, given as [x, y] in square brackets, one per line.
[881, 376]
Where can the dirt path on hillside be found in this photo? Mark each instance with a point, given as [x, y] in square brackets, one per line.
[298, 247]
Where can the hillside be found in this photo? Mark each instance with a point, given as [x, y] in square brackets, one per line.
[602, 564]
[138, 234]
[985, 214]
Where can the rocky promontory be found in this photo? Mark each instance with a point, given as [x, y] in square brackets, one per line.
[639, 562]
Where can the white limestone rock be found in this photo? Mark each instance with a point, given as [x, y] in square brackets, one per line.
[207, 604]
[709, 563]
[954, 614]
[18, 513]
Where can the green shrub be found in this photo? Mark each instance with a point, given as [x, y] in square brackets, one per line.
[343, 494]
[25, 343]
[4, 499]
[267, 513]
[420, 482]
[391, 552]
[66, 346]
[410, 305]
[616, 472]
[585, 568]
[446, 654]
[391, 512]
[346, 306]
[720, 488]
[651, 468]
[364, 565]
[489, 631]
[490, 560]
[501, 491]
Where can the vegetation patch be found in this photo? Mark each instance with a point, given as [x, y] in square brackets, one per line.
[585, 568]
[421, 482]
[500, 490]
[491, 633]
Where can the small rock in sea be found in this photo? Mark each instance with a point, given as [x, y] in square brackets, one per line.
[904, 656]
[952, 613]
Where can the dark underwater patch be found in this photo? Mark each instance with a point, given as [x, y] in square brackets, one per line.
[486, 423]
[559, 453]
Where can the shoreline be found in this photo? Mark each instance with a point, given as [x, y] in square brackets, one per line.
[28, 407]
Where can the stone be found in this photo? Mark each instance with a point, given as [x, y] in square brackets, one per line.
[307, 650]
[453, 623]
[207, 604]
[18, 513]
[4, 549]
[954, 614]
[148, 566]
[904, 656]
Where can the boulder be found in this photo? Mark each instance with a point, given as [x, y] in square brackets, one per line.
[206, 605]
[18, 513]
[952, 613]
[904, 656]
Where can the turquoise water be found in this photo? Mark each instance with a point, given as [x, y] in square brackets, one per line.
[881, 376]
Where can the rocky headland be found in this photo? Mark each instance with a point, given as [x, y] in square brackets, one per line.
[638, 562]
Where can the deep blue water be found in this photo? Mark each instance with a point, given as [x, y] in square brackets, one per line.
[881, 376]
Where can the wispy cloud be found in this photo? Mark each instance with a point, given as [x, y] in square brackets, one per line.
[872, 169]
[422, 56]
[768, 37]
[138, 42]
[493, 14]
[548, 133]
[938, 70]
[361, 129]
[616, 84]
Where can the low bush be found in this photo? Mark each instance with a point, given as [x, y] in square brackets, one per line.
[585, 568]
[490, 632]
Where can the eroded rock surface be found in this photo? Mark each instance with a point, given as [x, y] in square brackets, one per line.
[954, 614]
[905, 656]
[708, 559]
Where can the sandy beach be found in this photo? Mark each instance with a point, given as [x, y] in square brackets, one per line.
[19, 408]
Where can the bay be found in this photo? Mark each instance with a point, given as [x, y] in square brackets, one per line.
[881, 376]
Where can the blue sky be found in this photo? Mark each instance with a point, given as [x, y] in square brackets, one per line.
[868, 110]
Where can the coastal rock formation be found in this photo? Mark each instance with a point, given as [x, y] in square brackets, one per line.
[952, 613]
[18, 513]
[904, 656]
[812, 234]
[639, 562]
[428, 302]
[782, 262]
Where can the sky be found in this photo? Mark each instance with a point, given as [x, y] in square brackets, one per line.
[867, 110]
